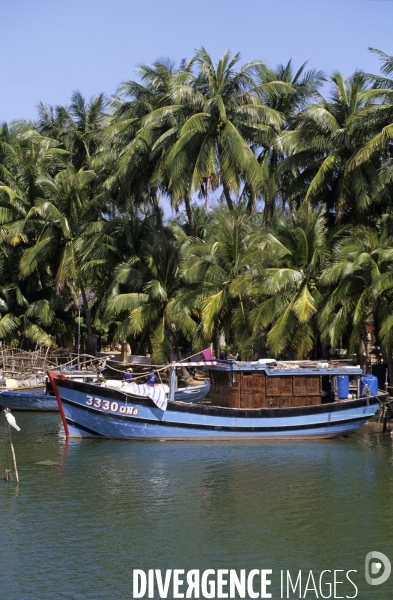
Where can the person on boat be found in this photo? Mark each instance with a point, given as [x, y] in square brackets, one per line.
[151, 379]
[127, 377]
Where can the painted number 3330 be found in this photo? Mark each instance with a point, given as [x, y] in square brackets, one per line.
[112, 406]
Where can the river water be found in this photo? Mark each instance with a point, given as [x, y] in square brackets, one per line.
[76, 530]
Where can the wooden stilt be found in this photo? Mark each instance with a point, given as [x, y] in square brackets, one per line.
[13, 454]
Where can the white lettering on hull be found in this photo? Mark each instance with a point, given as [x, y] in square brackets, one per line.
[111, 406]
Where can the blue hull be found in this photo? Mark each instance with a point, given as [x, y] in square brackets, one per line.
[92, 411]
[29, 400]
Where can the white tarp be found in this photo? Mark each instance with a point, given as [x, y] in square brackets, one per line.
[156, 393]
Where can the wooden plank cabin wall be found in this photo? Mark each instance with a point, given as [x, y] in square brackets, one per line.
[256, 390]
[220, 393]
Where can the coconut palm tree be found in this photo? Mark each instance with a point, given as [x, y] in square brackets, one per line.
[376, 119]
[143, 127]
[321, 148]
[288, 93]
[376, 123]
[63, 215]
[286, 285]
[107, 244]
[27, 158]
[78, 128]
[210, 269]
[26, 306]
[213, 144]
[360, 283]
[140, 293]
[27, 303]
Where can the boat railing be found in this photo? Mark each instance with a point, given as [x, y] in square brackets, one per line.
[83, 362]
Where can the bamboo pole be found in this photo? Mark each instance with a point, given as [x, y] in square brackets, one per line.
[13, 454]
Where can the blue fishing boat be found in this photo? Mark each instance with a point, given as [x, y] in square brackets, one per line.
[260, 400]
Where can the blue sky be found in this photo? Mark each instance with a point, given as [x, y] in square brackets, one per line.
[49, 48]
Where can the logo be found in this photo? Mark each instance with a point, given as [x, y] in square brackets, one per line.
[374, 562]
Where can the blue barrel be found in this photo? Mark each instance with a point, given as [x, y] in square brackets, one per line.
[343, 386]
[372, 383]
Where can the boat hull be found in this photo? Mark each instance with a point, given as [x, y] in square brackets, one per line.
[91, 411]
[34, 399]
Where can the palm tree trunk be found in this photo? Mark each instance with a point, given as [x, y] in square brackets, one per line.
[157, 211]
[268, 211]
[362, 356]
[190, 216]
[91, 349]
[184, 372]
[207, 192]
[388, 358]
[227, 197]
[217, 345]
[251, 204]
[141, 342]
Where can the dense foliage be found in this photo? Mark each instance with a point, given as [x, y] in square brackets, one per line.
[285, 245]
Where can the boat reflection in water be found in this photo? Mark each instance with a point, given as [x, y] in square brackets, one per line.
[263, 400]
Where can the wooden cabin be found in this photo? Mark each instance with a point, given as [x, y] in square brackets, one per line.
[255, 389]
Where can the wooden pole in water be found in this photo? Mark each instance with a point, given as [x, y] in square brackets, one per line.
[386, 408]
[13, 454]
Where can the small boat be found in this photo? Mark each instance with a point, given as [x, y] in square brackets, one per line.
[35, 393]
[28, 399]
[22, 389]
[257, 400]
[34, 381]
[37, 397]
[193, 393]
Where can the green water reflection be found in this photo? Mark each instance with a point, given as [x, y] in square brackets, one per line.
[76, 530]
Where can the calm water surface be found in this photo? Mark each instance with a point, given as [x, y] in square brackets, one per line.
[76, 530]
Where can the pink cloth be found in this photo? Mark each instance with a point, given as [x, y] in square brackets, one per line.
[207, 354]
